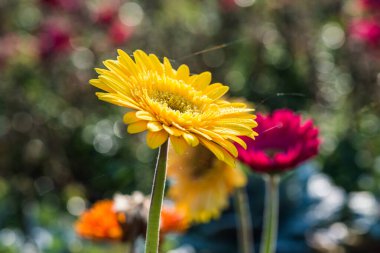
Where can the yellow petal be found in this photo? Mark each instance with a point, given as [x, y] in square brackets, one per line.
[247, 122]
[99, 84]
[172, 130]
[126, 60]
[178, 126]
[145, 115]
[122, 65]
[130, 117]
[229, 159]
[229, 130]
[156, 63]
[179, 144]
[238, 140]
[142, 59]
[156, 139]
[239, 104]
[114, 67]
[116, 85]
[217, 92]
[229, 147]
[237, 126]
[237, 112]
[214, 148]
[202, 81]
[117, 99]
[102, 71]
[168, 67]
[191, 139]
[183, 72]
[154, 126]
[213, 135]
[192, 78]
[194, 130]
[219, 152]
[137, 127]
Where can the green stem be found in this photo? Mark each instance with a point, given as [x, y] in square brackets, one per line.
[269, 238]
[132, 246]
[245, 235]
[153, 228]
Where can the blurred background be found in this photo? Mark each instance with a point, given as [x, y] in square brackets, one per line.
[61, 149]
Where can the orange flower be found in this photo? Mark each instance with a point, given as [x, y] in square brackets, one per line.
[100, 222]
[124, 219]
[172, 221]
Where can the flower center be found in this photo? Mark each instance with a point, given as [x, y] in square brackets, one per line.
[174, 102]
[271, 152]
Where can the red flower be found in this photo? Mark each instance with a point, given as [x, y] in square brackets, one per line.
[105, 14]
[227, 5]
[68, 5]
[283, 142]
[367, 31]
[119, 33]
[54, 38]
[370, 4]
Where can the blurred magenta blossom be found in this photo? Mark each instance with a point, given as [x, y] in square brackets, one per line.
[105, 15]
[227, 5]
[54, 38]
[106, 12]
[119, 33]
[367, 31]
[370, 4]
[283, 142]
[68, 5]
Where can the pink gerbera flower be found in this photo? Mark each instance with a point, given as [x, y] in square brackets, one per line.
[367, 31]
[283, 142]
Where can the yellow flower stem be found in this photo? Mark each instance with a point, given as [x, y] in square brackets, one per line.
[269, 236]
[153, 228]
[245, 235]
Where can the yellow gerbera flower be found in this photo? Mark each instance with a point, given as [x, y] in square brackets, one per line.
[201, 184]
[174, 104]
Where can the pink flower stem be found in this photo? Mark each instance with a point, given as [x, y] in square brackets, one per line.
[157, 195]
[269, 236]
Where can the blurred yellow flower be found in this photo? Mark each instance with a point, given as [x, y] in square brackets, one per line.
[201, 184]
[174, 104]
